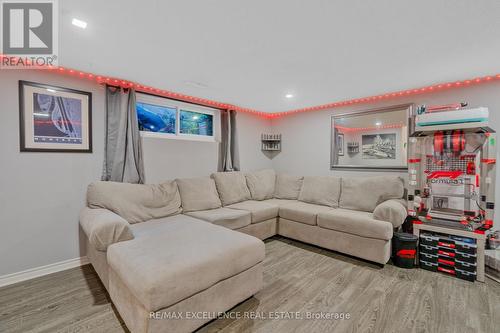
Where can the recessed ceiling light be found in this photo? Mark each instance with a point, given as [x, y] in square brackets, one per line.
[79, 23]
[51, 90]
[378, 123]
[289, 95]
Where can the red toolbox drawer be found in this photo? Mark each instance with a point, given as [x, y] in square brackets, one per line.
[469, 276]
[446, 270]
[465, 266]
[427, 257]
[465, 248]
[429, 239]
[428, 249]
[447, 253]
[428, 266]
[466, 257]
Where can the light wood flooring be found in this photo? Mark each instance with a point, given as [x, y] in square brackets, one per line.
[297, 278]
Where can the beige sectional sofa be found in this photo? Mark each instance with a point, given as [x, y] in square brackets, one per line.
[193, 246]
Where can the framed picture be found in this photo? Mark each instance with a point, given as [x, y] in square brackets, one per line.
[340, 144]
[54, 119]
[379, 146]
[377, 139]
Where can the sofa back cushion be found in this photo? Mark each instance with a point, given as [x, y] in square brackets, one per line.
[198, 194]
[321, 190]
[135, 202]
[232, 187]
[261, 184]
[365, 193]
[288, 187]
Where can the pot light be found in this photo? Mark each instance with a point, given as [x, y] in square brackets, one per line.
[51, 90]
[289, 95]
[378, 123]
[79, 23]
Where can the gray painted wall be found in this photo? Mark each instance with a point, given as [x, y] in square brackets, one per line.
[41, 194]
[306, 136]
[166, 159]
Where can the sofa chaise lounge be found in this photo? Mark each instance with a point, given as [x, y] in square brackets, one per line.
[193, 246]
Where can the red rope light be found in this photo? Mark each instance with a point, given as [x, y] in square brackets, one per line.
[220, 105]
[370, 128]
[421, 90]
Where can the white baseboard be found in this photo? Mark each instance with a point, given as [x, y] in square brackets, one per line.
[28, 274]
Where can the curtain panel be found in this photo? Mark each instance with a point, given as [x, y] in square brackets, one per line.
[123, 161]
[228, 149]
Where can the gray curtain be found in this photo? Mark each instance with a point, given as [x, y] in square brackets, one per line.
[229, 159]
[123, 151]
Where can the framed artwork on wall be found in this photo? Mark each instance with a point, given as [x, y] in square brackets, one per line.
[379, 146]
[54, 119]
[340, 144]
[377, 139]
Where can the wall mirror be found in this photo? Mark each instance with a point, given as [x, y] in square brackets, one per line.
[371, 139]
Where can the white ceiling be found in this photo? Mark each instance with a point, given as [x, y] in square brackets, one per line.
[251, 53]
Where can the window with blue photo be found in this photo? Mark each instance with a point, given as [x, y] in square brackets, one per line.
[166, 118]
[156, 118]
[196, 123]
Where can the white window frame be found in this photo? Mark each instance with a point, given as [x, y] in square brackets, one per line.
[178, 106]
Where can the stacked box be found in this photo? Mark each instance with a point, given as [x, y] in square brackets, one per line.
[451, 255]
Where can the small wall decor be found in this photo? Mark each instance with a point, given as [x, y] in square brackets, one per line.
[54, 119]
[340, 144]
[271, 142]
[376, 139]
[353, 147]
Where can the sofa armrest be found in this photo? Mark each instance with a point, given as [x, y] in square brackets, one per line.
[103, 227]
[393, 211]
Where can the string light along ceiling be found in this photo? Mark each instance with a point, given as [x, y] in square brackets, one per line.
[370, 128]
[101, 79]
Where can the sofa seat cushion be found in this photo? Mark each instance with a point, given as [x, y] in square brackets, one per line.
[158, 226]
[356, 223]
[226, 217]
[187, 257]
[303, 212]
[259, 210]
[232, 187]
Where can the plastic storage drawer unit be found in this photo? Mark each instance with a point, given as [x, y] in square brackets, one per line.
[455, 256]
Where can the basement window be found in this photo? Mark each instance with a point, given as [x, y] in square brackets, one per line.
[195, 123]
[165, 118]
[156, 118]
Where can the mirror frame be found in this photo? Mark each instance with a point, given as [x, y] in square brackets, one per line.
[407, 108]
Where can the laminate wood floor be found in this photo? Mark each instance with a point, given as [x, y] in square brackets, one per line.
[298, 278]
